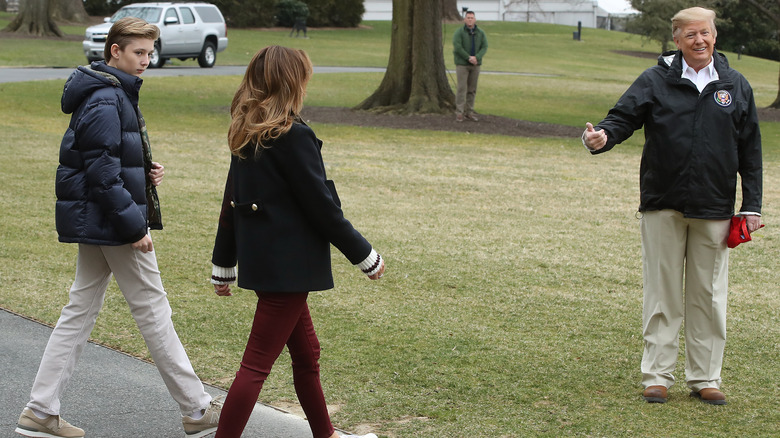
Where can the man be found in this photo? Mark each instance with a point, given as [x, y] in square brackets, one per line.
[301, 13]
[106, 202]
[701, 129]
[469, 46]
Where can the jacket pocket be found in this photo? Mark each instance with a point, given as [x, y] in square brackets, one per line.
[248, 208]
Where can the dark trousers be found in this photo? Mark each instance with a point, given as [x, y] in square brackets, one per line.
[280, 318]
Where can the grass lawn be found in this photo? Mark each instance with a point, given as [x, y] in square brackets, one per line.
[511, 306]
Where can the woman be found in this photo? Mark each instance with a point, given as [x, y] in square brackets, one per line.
[107, 202]
[279, 216]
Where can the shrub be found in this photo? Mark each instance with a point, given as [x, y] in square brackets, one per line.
[767, 49]
[288, 11]
[266, 13]
[336, 13]
[243, 13]
[104, 8]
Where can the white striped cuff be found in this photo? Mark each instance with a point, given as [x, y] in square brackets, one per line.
[371, 264]
[220, 275]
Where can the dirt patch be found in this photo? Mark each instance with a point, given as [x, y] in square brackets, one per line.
[769, 115]
[487, 124]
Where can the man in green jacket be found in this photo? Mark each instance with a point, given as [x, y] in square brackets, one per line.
[469, 46]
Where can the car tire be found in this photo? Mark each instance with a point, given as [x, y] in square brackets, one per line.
[208, 56]
[155, 60]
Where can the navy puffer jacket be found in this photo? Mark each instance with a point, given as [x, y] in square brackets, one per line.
[101, 182]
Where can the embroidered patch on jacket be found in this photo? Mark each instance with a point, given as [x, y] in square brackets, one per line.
[722, 97]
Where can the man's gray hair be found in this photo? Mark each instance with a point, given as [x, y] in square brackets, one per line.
[691, 15]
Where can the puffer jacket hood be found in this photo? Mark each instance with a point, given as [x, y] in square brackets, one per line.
[87, 79]
[101, 180]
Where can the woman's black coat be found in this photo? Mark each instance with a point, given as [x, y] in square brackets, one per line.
[279, 216]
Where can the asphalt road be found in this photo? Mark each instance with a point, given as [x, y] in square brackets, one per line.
[13, 74]
[111, 394]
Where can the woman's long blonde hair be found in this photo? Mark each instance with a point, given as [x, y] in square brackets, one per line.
[269, 98]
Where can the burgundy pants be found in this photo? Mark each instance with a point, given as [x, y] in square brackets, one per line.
[280, 318]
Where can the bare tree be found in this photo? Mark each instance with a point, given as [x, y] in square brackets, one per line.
[415, 80]
[69, 11]
[449, 11]
[34, 18]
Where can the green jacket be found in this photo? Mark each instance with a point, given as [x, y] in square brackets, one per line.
[461, 43]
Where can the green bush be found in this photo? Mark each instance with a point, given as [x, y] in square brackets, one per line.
[267, 13]
[335, 13]
[288, 11]
[243, 13]
[104, 8]
[767, 49]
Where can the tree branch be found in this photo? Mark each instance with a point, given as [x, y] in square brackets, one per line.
[761, 7]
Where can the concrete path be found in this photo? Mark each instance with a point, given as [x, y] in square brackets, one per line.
[111, 394]
[16, 74]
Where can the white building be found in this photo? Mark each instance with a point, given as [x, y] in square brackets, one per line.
[12, 6]
[603, 14]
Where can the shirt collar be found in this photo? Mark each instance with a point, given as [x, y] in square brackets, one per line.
[710, 68]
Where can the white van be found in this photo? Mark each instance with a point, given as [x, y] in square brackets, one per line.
[187, 30]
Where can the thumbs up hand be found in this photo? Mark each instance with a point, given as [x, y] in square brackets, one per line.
[592, 139]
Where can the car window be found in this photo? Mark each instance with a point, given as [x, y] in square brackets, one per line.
[186, 16]
[171, 12]
[150, 15]
[209, 14]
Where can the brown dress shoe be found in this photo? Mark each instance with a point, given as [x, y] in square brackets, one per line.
[711, 396]
[472, 117]
[655, 394]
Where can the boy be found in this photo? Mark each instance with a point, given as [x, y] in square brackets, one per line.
[107, 202]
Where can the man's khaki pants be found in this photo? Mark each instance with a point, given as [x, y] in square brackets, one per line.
[676, 249]
[468, 76]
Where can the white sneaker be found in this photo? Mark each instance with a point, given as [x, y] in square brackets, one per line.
[52, 426]
[206, 425]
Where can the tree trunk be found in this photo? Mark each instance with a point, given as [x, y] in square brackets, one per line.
[34, 18]
[776, 103]
[774, 16]
[415, 81]
[450, 12]
[69, 11]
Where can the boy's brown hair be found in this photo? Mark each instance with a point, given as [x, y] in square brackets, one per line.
[127, 29]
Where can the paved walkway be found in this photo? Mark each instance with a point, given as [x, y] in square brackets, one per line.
[23, 74]
[111, 394]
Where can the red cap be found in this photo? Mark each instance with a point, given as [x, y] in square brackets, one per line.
[738, 231]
